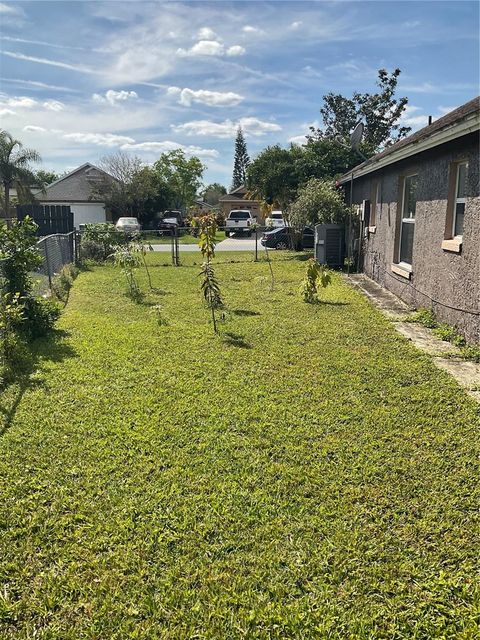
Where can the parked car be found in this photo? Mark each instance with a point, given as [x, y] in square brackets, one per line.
[280, 238]
[128, 225]
[239, 220]
[169, 220]
[275, 220]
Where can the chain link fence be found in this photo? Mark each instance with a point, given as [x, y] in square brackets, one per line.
[56, 250]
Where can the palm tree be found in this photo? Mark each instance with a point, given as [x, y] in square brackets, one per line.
[14, 168]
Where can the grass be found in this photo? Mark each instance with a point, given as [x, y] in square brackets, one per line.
[306, 474]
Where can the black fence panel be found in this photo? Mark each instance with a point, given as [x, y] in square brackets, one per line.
[50, 218]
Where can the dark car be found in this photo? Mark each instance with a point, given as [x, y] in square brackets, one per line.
[281, 238]
[169, 221]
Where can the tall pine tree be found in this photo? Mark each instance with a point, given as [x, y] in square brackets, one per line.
[241, 161]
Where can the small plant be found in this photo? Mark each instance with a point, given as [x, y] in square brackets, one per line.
[63, 281]
[142, 247]
[128, 260]
[447, 333]
[316, 275]
[11, 316]
[207, 229]
[211, 291]
[425, 317]
[100, 240]
[470, 352]
[157, 310]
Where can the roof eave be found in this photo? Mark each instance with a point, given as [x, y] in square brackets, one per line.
[459, 129]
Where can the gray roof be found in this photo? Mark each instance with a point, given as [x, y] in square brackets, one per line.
[77, 186]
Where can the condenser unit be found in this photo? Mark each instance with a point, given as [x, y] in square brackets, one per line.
[330, 244]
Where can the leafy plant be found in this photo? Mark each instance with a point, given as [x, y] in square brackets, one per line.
[211, 291]
[157, 310]
[41, 315]
[100, 240]
[470, 352]
[315, 275]
[447, 333]
[128, 260]
[63, 281]
[142, 247]
[207, 229]
[425, 317]
[11, 316]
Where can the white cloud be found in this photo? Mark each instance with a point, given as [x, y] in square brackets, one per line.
[249, 29]
[236, 50]
[101, 139]
[6, 112]
[205, 33]
[311, 72]
[203, 96]
[114, 97]
[168, 145]
[53, 63]
[204, 48]
[40, 85]
[34, 129]
[54, 105]
[296, 25]
[211, 48]
[227, 128]
[298, 140]
[19, 101]
[8, 8]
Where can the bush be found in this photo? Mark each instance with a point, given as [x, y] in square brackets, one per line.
[470, 352]
[63, 281]
[99, 241]
[40, 315]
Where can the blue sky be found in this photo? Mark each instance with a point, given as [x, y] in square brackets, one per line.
[80, 80]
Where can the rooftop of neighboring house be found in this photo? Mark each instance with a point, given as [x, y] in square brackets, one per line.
[77, 186]
[236, 194]
[456, 123]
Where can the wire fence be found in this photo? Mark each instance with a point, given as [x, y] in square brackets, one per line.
[57, 250]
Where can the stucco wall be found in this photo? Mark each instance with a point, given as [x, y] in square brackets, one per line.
[450, 279]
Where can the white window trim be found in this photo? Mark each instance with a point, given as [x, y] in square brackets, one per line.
[405, 220]
[458, 200]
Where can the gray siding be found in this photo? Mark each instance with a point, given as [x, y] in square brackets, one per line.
[450, 279]
[77, 187]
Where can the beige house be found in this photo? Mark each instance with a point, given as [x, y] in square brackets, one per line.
[237, 200]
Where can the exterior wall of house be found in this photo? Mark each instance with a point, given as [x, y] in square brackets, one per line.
[85, 212]
[75, 187]
[238, 203]
[446, 281]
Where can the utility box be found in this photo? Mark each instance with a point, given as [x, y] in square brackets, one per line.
[330, 244]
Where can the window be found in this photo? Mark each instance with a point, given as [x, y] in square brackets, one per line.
[409, 205]
[460, 199]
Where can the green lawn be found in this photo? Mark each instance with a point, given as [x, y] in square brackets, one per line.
[308, 474]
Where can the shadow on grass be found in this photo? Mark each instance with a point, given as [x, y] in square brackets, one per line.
[331, 303]
[51, 348]
[245, 312]
[235, 340]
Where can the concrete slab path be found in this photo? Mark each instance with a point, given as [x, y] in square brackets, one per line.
[444, 354]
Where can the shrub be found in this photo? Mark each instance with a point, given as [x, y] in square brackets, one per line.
[40, 316]
[99, 241]
[63, 281]
[471, 352]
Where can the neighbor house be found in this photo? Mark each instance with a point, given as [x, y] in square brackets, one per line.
[238, 199]
[419, 204]
[79, 189]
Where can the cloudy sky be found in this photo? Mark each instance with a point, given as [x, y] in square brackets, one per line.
[80, 80]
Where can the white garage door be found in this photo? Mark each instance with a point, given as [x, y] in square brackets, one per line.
[88, 213]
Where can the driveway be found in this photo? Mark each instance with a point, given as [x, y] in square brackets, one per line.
[241, 243]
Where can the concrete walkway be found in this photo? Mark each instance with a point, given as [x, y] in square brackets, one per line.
[229, 244]
[444, 354]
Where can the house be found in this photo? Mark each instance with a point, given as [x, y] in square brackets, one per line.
[237, 199]
[419, 203]
[79, 190]
[200, 206]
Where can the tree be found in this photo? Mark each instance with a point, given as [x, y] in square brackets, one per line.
[241, 161]
[182, 175]
[273, 175]
[381, 112]
[43, 178]
[213, 192]
[130, 188]
[15, 168]
[318, 201]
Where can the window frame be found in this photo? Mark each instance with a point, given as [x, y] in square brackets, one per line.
[404, 220]
[457, 200]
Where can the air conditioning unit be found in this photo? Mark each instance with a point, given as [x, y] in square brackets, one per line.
[330, 244]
